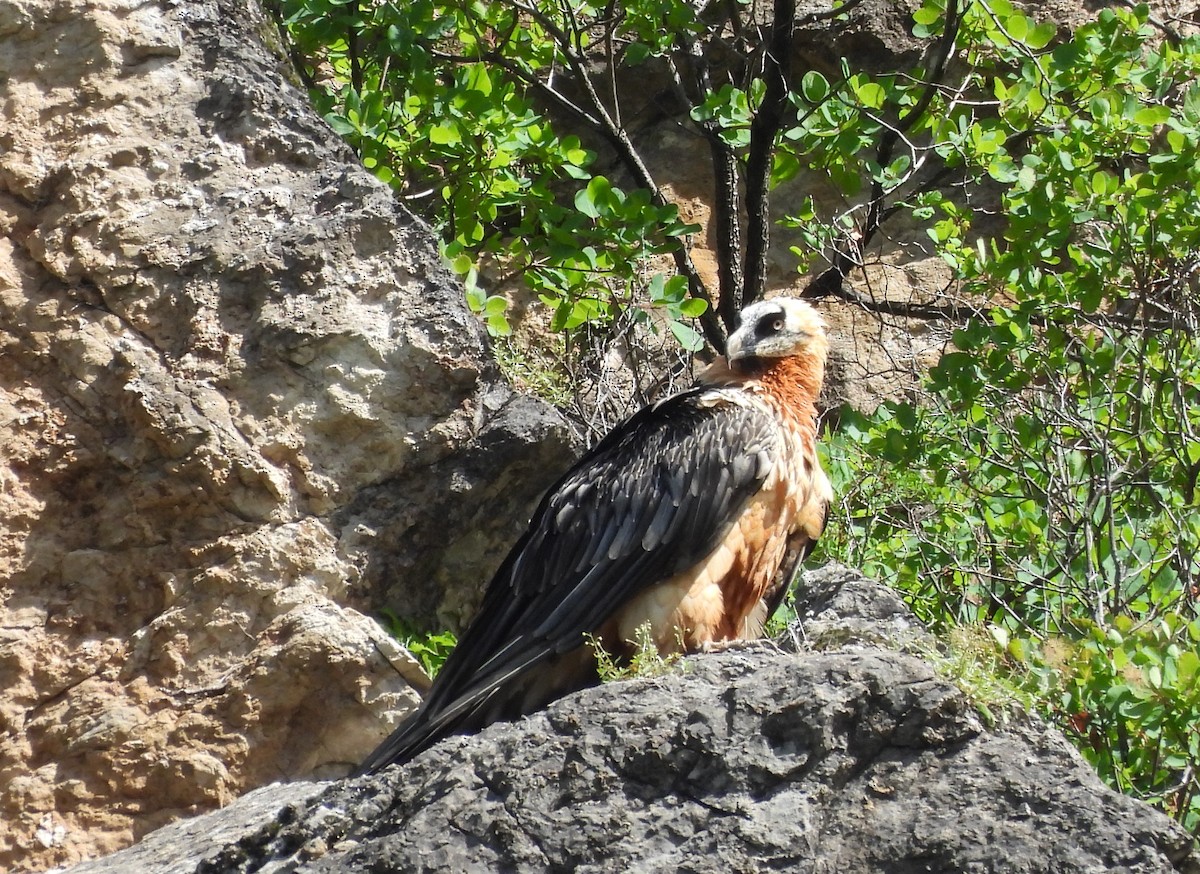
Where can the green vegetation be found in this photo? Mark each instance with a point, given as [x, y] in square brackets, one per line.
[969, 657]
[429, 648]
[646, 660]
[438, 98]
[1046, 488]
[535, 370]
[1042, 493]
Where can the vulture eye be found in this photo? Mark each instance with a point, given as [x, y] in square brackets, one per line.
[770, 325]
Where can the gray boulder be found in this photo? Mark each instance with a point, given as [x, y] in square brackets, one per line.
[860, 758]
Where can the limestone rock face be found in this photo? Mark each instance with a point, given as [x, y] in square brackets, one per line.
[221, 342]
[858, 758]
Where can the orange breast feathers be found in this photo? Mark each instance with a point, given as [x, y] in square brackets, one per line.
[733, 590]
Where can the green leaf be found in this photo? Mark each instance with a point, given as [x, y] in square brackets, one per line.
[598, 197]
[1017, 26]
[1191, 103]
[1188, 667]
[814, 87]
[478, 79]
[339, 124]
[1040, 35]
[871, 94]
[1103, 183]
[445, 135]
[636, 53]
[498, 326]
[689, 338]
[585, 204]
[1154, 676]
[927, 15]
[1152, 115]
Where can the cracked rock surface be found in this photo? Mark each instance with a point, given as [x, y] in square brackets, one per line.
[859, 759]
[239, 397]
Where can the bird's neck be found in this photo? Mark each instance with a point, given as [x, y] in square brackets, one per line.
[793, 384]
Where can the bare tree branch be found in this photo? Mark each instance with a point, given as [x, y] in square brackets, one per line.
[726, 220]
[830, 283]
[777, 69]
[934, 76]
[602, 121]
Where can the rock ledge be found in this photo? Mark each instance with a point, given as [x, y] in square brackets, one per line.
[856, 759]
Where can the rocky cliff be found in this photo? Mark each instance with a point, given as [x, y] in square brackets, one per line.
[849, 755]
[239, 396]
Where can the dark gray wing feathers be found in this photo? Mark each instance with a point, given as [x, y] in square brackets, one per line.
[650, 500]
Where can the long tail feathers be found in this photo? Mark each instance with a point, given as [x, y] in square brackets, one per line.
[528, 682]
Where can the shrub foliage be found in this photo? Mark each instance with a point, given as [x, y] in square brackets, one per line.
[1046, 488]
